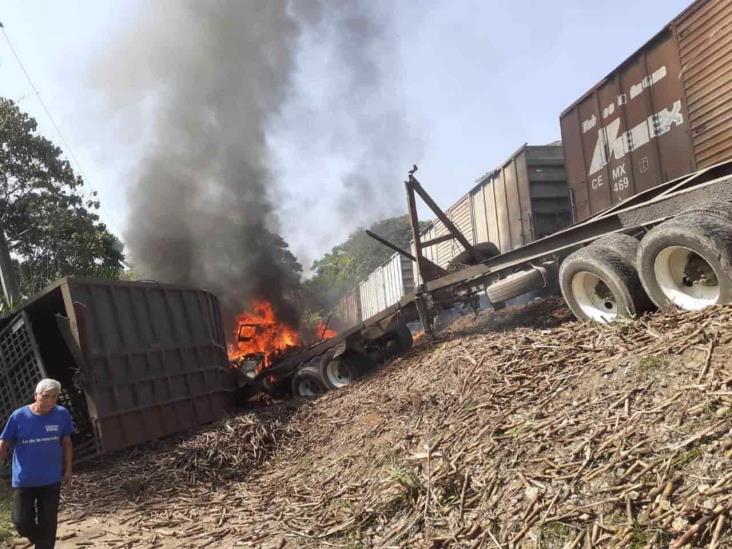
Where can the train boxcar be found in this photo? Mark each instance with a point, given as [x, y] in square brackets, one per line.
[523, 199]
[347, 311]
[386, 285]
[662, 113]
[383, 287]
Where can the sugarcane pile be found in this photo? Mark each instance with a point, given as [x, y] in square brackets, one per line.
[571, 435]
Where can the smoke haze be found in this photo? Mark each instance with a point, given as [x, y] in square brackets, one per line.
[211, 79]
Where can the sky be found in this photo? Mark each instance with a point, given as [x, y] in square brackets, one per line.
[466, 82]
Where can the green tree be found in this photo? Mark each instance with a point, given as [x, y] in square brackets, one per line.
[50, 229]
[347, 264]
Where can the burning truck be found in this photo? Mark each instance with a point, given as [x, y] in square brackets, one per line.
[276, 358]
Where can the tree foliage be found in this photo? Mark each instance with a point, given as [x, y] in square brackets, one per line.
[347, 264]
[51, 230]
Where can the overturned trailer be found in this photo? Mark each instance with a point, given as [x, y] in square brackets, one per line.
[137, 360]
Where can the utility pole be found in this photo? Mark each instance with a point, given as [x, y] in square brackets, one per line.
[7, 274]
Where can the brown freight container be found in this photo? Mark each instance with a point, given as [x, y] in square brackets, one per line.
[662, 113]
[137, 360]
[525, 199]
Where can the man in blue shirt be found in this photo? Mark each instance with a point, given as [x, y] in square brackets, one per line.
[39, 436]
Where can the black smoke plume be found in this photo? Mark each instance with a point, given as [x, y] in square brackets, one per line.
[209, 77]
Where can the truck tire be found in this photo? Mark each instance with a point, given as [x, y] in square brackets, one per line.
[344, 369]
[465, 258]
[399, 340]
[516, 284]
[686, 263]
[276, 386]
[721, 210]
[599, 284]
[307, 382]
[622, 244]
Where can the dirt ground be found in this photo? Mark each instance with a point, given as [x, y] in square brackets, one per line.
[517, 428]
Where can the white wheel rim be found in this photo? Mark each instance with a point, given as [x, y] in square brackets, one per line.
[686, 278]
[338, 373]
[594, 297]
[307, 388]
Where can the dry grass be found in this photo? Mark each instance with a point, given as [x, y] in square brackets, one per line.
[571, 435]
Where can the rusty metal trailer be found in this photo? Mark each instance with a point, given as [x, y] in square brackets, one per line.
[136, 360]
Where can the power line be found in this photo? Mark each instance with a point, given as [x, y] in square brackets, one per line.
[58, 130]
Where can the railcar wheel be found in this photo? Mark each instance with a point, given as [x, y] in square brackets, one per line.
[600, 284]
[686, 263]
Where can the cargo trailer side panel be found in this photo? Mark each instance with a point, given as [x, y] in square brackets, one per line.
[575, 164]
[155, 358]
[398, 278]
[461, 214]
[520, 163]
[668, 127]
[371, 291]
[501, 211]
[550, 208]
[21, 366]
[444, 250]
[513, 204]
[494, 226]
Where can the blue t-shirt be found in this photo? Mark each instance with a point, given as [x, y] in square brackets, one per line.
[36, 440]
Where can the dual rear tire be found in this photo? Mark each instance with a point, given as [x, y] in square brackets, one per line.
[344, 369]
[601, 282]
[328, 371]
[307, 382]
[684, 263]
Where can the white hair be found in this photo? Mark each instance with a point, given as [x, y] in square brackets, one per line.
[46, 385]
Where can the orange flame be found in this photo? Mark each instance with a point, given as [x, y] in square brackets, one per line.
[259, 333]
[323, 333]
